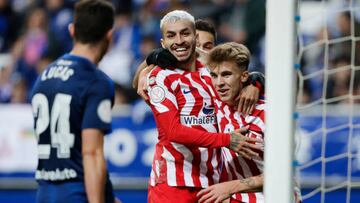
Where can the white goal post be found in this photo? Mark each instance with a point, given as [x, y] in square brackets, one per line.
[280, 98]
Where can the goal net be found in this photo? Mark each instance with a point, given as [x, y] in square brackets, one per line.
[327, 63]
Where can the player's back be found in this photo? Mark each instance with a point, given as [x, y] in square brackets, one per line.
[70, 95]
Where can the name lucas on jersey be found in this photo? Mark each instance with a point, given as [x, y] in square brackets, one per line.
[58, 71]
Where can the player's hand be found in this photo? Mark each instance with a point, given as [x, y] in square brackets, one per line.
[162, 58]
[244, 145]
[247, 99]
[220, 192]
[142, 83]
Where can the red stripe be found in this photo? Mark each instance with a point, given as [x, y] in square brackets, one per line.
[195, 173]
[210, 168]
[237, 164]
[252, 197]
[253, 167]
[179, 164]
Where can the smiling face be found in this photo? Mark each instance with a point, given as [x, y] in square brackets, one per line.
[228, 80]
[180, 39]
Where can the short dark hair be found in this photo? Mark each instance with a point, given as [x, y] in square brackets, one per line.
[205, 26]
[92, 20]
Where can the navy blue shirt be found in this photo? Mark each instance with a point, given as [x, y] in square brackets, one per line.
[69, 96]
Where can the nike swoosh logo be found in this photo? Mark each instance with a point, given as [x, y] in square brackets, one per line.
[208, 111]
[186, 91]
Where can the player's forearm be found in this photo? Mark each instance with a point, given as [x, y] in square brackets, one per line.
[251, 184]
[95, 174]
[176, 132]
[258, 80]
[190, 136]
[141, 67]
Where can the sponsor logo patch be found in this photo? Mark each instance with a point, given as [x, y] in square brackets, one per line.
[104, 111]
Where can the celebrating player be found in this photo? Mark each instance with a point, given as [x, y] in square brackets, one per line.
[228, 68]
[71, 103]
[187, 154]
[242, 178]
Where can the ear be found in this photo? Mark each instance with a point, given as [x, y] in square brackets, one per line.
[109, 34]
[162, 43]
[197, 39]
[71, 29]
[244, 76]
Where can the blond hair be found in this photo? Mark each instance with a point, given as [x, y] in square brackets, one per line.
[175, 16]
[230, 51]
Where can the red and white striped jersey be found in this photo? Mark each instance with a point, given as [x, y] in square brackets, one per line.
[183, 106]
[235, 166]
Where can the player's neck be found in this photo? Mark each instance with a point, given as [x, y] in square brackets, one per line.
[87, 51]
[189, 65]
[230, 104]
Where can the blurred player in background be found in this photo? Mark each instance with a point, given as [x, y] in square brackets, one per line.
[206, 39]
[72, 103]
[188, 154]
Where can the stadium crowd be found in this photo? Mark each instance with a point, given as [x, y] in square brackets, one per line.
[35, 32]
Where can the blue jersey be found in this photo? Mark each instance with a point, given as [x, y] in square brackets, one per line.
[70, 95]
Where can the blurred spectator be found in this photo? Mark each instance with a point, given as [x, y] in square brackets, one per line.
[245, 23]
[5, 82]
[9, 24]
[19, 93]
[345, 24]
[117, 62]
[339, 81]
[148, 43]
[59, 17]
[31, 45]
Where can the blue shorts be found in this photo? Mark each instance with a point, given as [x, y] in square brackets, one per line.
[67, 192]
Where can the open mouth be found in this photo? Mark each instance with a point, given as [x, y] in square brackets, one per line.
[223, 92]
[181, 51]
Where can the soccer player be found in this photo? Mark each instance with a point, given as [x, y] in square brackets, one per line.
[228, 65]
[242, 178]
[71, 103]
[188, 154]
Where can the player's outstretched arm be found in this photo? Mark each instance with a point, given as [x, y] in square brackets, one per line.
[249, 95]
[94, 164]
[222, 191]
